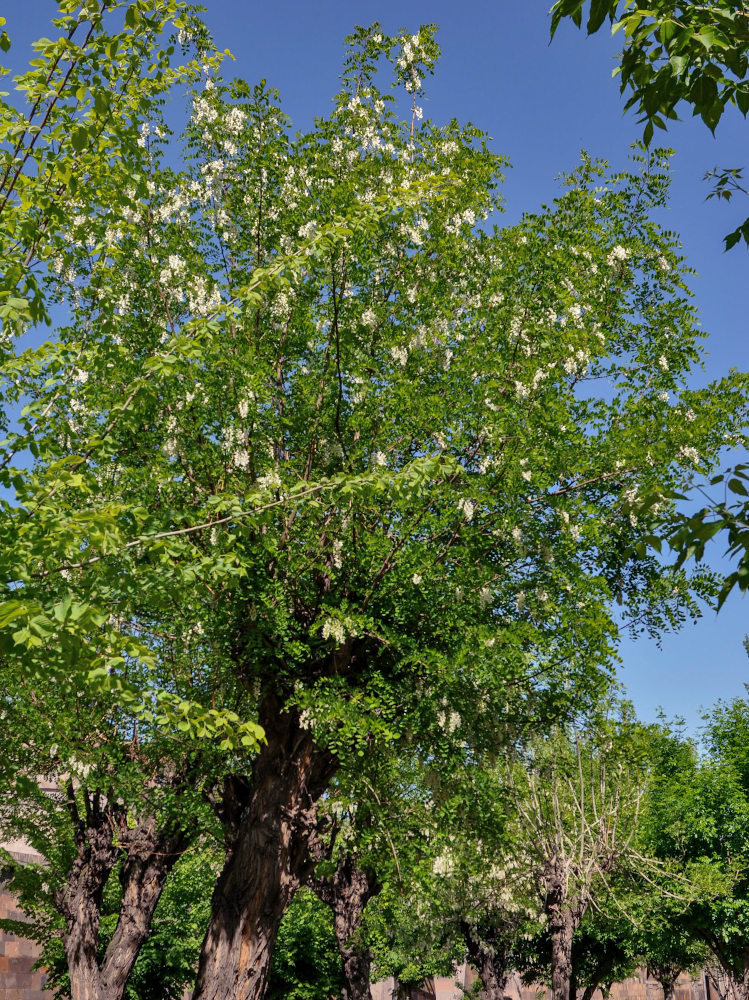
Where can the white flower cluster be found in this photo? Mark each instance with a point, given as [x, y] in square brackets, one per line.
[308, 230]
[577, 363]
[269, 481]
[411, 52]
[369, 318]
[467, 217]
[338, 553]
[170, 446]
[689, 453]
[339, 629]
[240, 459]
[173, 270]
[235, 121]
[443, 865]
[199, 300]
[203, 111]
[617, 256]
[449, 721]
[466, 508]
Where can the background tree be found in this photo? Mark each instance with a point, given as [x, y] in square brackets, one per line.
[306, 961]
[577, 792]
[111, 808]
[696, 823]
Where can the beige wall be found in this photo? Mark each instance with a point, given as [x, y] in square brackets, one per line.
[640, 987]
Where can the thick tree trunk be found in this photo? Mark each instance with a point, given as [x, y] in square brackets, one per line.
[151, 855]
[562, 929]
[347, 892]
[666, 976]
[267, 859]
[101, 840]
[79, 901]
[489, 962]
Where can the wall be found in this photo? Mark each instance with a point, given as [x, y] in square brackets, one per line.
[18, 955]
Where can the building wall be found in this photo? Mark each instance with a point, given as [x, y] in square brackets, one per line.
[18, 981]
[640, 987]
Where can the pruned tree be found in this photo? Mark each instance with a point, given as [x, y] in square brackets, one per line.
[577, 791]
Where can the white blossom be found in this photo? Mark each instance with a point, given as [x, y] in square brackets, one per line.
[235, 121]
[467, 508]
[689, 453]
[619, 253]
[338, 553]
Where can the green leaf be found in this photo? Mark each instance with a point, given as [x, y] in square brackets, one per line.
[599, 11]
[79, 139]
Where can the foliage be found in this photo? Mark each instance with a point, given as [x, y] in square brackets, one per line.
[306, 963]
[697, 822]
[678, 53]
[166, 964]
[315, 431]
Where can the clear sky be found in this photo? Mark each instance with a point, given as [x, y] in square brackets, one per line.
[541, 104]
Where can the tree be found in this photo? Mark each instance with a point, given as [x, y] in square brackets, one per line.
[696, 823]
[113, 815]
[678, 53]
[340, 473]
[578, 793]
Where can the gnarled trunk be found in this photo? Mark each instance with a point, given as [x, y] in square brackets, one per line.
[101, 840]
[267, 859]
[79, 901]
[347, 892]
[562, 929]
[151, 855]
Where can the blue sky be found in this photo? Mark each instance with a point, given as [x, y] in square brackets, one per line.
[541, 104]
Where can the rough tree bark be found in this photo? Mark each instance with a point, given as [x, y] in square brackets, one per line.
[269, 833]
[563, 921]
[489, 958]
[102, 838]
[151, 855]
[79, 901]
[347, 893]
